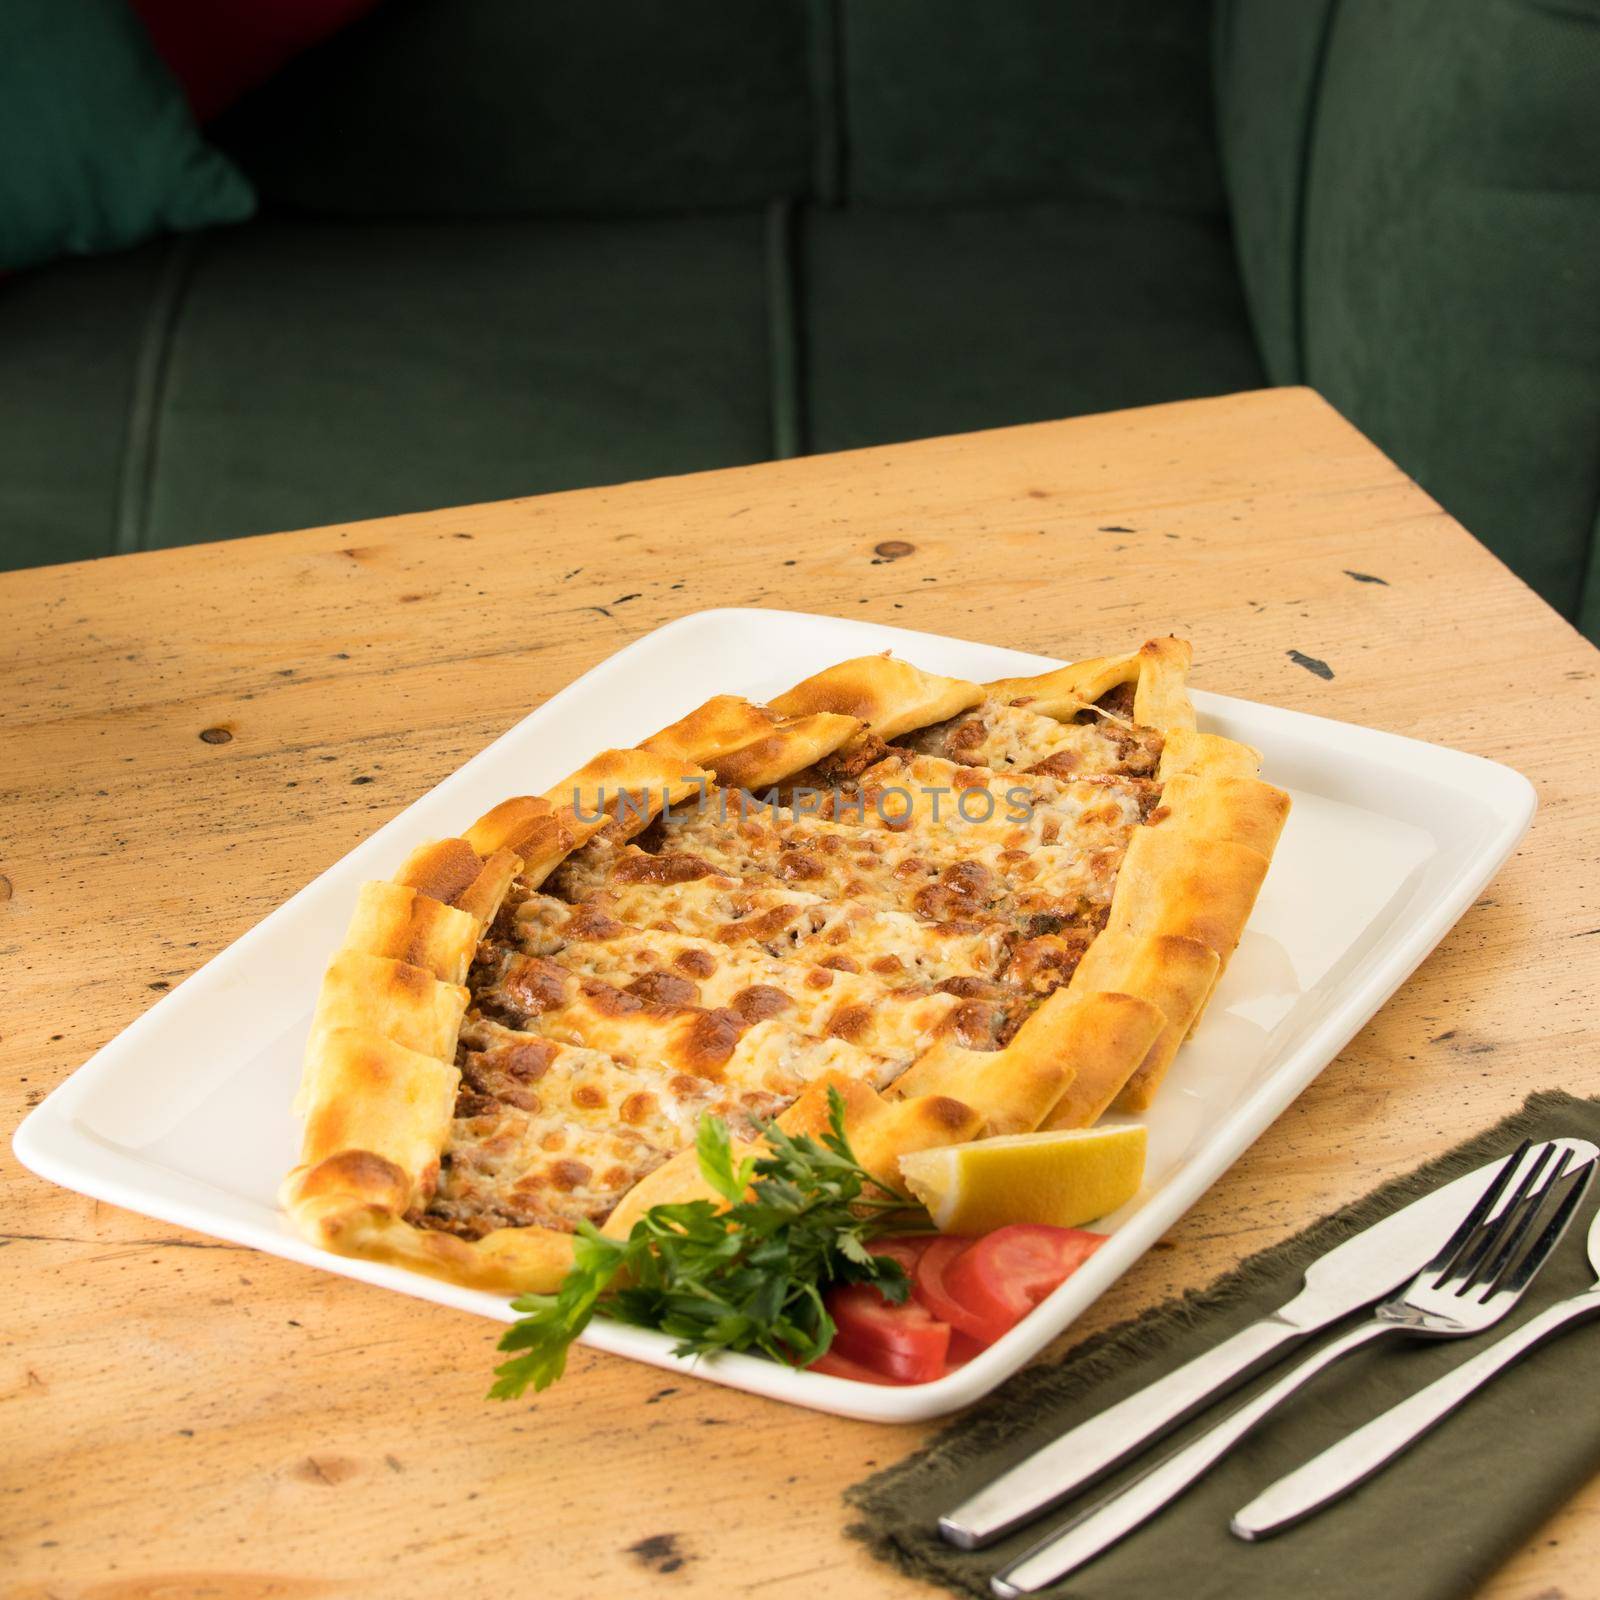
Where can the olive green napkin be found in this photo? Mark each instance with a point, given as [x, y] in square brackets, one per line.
[1435, 1524]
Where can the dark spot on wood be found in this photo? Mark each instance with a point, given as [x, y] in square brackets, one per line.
[661, 1394]
[573, 574]
[187, 1433]
[394, 1463]
[5, 889]
[285, 672]
[791, 563]
[160, 983]
[1319, 668]
[1365, 577]
[409, 599]
[331, 1471]
[341, 655]
[1116, 527]
[1439, 1038]
[216, 735]
[893, 549]
[658, 1550]
[622, 599]
[460, 535]
[361, 780]
[601, 609]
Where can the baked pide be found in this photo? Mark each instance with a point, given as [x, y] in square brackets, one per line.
[970, 908]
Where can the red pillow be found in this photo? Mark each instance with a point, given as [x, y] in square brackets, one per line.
[220, 49]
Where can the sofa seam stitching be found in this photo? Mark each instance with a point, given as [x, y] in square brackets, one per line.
[1319, 74]
[1587, 568]
[135, 491]
[827, 86]
[783, 333]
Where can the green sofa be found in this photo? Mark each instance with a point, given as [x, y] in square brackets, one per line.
[509, 246]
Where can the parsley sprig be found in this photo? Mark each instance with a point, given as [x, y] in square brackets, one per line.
[747, 1276]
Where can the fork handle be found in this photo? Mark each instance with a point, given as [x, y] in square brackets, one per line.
[1112, 1518]
[1087, 1452]
[1355, 1458]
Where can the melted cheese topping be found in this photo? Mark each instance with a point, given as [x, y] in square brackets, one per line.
[929, 874]
[1017, 811]
[895, 947]
[1012, 738]
[553, 1133]
[813, 998]
[956, 880]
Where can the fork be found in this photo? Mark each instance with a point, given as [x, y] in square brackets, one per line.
[1476, 1277]
[1356, 1457]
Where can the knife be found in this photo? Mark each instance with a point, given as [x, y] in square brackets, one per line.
[1352, 1275]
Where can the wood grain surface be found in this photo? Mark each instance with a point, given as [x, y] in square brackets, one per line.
[190, 735]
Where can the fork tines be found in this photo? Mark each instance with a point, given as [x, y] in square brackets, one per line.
[1469, 1264]
[1475, 1218]
[1573, 1178]
[1492, 1252]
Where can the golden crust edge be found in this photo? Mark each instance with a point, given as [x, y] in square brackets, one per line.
[1190, 877]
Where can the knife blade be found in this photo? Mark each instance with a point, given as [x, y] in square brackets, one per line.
[1354, 1274]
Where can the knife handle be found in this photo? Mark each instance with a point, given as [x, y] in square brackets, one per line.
[1117, 1515]
[1355, 1458]
[1092, 1449]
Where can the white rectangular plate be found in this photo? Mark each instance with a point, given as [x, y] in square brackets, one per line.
[185, 1114]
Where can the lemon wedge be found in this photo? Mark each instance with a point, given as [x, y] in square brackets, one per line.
[1063, 1178]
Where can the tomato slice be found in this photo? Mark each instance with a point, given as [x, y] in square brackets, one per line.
[962, 1350]
[928, 1286]
[1001, 1277]
[901, 1342]
[838, 1366]
[907, 1249]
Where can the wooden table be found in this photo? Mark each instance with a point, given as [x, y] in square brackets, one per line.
[190, 735]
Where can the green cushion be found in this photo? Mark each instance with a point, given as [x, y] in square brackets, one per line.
[952, 101]
[934, 322]
[511, 107]
[292, 374]
[1268, 64]
[1416, 194]
[97, 148]
[76, 349]
[1452, 262]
